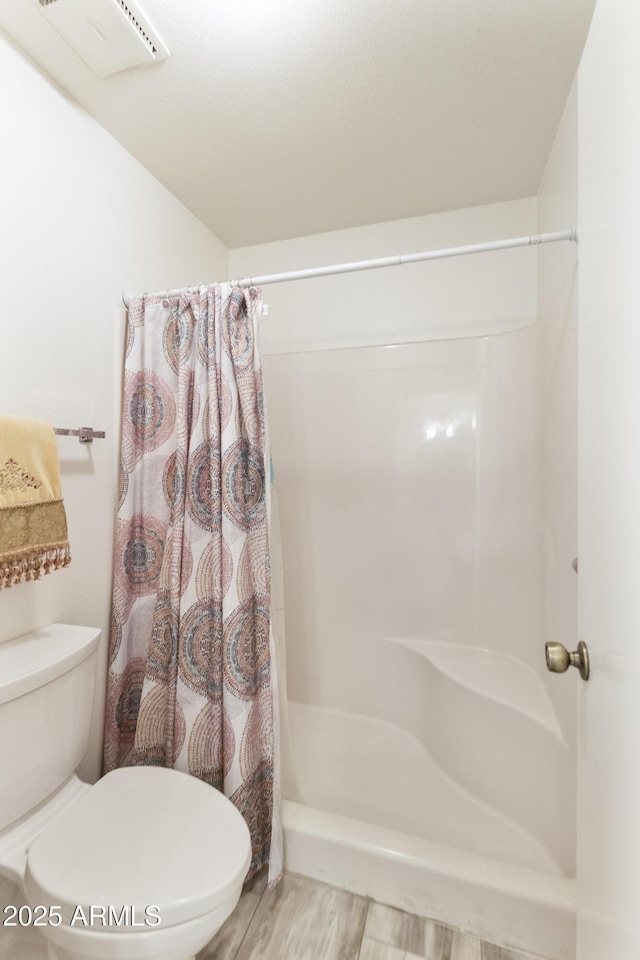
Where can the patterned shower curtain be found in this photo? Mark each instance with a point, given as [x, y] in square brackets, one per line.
[192, 681]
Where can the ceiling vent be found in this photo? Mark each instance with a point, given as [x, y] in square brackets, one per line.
[109, 35]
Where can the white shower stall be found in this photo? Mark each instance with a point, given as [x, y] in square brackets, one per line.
[423, 431]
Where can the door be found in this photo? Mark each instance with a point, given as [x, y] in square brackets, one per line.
[609, 485]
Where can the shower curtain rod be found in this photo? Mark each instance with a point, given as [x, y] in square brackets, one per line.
[337, 268]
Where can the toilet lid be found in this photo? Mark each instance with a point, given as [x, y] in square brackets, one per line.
[141, 837]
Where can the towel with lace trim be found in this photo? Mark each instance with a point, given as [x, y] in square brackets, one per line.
[33, 523]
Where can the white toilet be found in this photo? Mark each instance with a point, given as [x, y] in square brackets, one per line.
[145, 865]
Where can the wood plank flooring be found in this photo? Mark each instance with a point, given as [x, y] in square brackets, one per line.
[305, 920]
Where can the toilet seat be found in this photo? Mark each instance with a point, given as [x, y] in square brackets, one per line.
[141, 837]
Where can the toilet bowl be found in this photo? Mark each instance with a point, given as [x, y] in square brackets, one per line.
[147, 863]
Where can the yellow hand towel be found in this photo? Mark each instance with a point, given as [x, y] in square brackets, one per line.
[33, 524]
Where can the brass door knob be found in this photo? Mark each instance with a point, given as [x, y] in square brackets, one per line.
[559, 659]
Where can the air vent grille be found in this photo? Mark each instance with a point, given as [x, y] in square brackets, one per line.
[109, 35]
[134, 23]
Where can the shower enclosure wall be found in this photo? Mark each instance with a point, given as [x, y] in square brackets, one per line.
[418, 452]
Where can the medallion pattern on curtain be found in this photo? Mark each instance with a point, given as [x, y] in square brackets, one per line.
[191, 649]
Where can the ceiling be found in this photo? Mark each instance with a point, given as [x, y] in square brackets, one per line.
[281, 118]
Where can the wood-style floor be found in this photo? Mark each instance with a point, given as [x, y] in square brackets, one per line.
[305, 920]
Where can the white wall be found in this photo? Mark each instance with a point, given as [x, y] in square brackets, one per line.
[558, 331]
[486, 293]
[80, 222]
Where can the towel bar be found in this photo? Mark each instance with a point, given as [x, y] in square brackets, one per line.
[84, 434]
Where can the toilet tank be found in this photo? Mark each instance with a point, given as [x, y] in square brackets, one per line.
[47, 680]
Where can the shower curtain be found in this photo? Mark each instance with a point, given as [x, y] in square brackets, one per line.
[192, 681]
